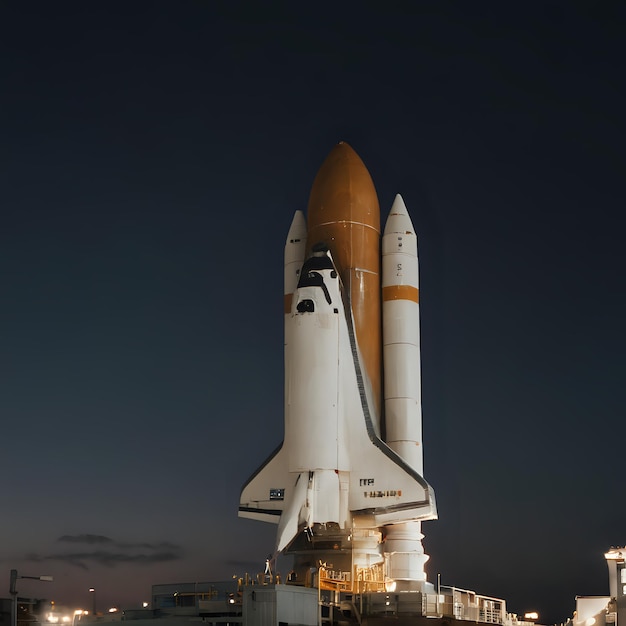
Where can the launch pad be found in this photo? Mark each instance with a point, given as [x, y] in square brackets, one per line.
[325, 604]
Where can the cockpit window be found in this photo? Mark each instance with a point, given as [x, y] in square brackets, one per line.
[311, 278]
[314, 264]
[306, 306]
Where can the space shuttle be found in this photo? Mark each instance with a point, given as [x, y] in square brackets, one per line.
[346, 487]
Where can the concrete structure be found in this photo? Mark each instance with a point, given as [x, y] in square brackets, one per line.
[269, 603]
[609, 609]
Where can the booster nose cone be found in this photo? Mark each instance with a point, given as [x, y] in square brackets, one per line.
[344, 214]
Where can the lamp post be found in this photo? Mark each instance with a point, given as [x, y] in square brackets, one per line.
[92, 590]
[13, 591]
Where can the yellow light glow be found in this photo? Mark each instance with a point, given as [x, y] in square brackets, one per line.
[531, 615]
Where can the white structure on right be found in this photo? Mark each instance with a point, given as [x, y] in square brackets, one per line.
[611, 609]
[404, 554]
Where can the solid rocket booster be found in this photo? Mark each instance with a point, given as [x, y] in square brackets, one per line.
[401, 342]
[404, 554]
[336, 490]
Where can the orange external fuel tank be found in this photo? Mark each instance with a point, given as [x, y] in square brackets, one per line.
[344, 214]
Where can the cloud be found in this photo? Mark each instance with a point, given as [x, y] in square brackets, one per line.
[85, 539]
[116, 553]
[164, 545]
[99, 539]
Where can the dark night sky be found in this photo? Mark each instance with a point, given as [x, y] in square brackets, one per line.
[153, 154]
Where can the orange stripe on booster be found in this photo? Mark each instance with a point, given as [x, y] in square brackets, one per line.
[400, 292]
[287, 303]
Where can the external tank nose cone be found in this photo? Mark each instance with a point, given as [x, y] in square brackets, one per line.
[343, 191]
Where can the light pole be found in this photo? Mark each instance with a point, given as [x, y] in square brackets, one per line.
[13, 591]
[92, 590]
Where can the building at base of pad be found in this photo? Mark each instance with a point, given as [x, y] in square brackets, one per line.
[323, 600]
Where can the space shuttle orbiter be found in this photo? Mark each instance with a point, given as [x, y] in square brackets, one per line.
[346, 486]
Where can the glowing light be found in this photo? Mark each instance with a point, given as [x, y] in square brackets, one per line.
[390, 586]
[66, 619]
[531, 615]
[590, 621]
[145, 605]
[113, 609]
